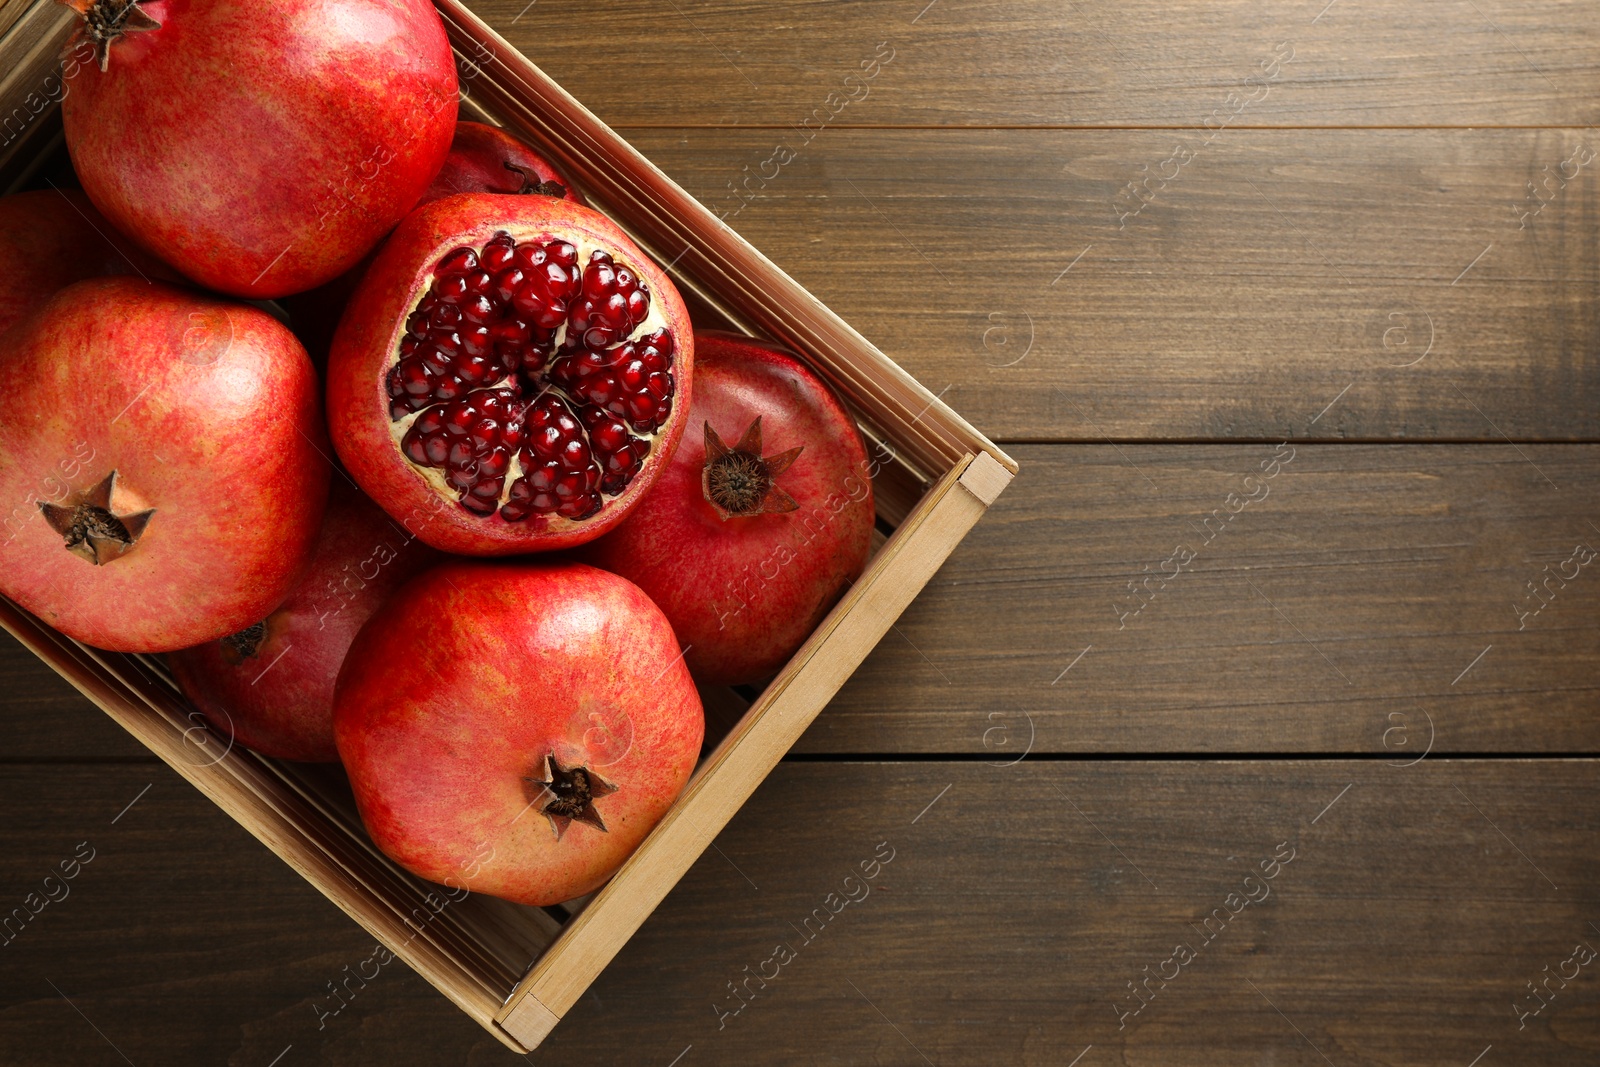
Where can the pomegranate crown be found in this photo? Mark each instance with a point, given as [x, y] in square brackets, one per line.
[739, 481]
[572, 791]
[551, 188]
[104, 21]
[90, 529]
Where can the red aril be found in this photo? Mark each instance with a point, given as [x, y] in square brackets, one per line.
[163, 464]
[259, 148]
[50, 239]
[510, 375]
[270, 686]
[761, 521]
[482, 159]
[514, 728]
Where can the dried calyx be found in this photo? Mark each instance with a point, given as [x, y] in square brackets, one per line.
[739, 481]
[247, 642]
[106, 20]
[573, 791]
[546, 188]
[89, 528]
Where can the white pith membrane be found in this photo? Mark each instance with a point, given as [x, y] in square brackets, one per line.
[654, 320]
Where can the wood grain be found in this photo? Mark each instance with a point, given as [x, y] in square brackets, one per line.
[184, 940]
[1017, 906]
[45, 718]
[1347, 596]
[1086, 63]
[1342, 604]
[1021, 903]
[1346, 261]
[1278, 269]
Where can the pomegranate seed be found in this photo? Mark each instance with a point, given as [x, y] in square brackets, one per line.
[630, 381]
[508, 281]
[451, 288]
[479, 309]
[473, 370]
[478, 361]
[613, 303]
[457, 262]
[607, 433]
[497, 254]
[472, 502]
[475, 341]
[494, 465]
[414, 378]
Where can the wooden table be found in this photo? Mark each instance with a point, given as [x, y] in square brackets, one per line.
[1256, 722]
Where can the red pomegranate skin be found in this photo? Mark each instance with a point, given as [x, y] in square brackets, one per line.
[50, 239]
[272, 691]
[262, 149]
[207, 411]
[476, 164]
[452, 697]
[369, 335]
[743, 593]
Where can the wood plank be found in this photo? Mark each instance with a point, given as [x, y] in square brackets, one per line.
[1278, 269]
[43, 717]
[185, 941]
[1017, 906]
[1401, 564]
[1006, 923]
[1337, 611]
[1092, 62]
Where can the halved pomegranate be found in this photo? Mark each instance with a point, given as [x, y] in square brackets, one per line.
[511, 374]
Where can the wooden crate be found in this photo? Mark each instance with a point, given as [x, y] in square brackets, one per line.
[514, 969]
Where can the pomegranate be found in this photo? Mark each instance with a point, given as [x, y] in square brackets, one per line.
[761, 521]
[50, 239]
[510, 375]
[261, 149]
[487, 159]
[161, 456]
[482, 159]
[271, 684]
[516, 728]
